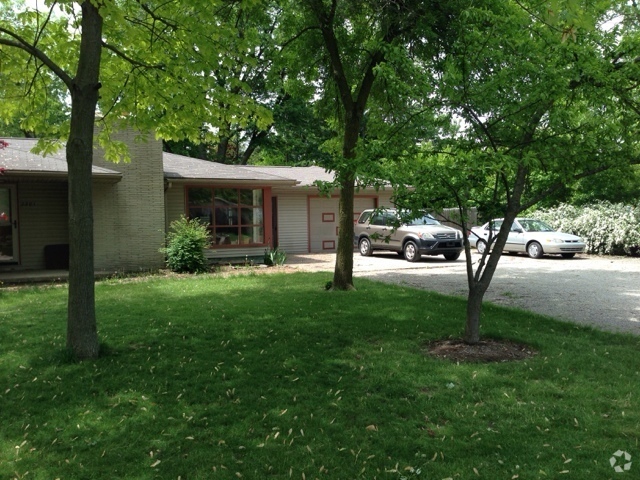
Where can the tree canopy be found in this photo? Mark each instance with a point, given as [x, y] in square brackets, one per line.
[538, 99]
[144, 65]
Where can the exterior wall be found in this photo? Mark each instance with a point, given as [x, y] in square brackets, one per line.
[129, 215]
[296, 234]
[324, 221]
[43, 220]
[174, 204]
[384, 198]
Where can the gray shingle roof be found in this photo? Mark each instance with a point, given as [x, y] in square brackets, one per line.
[179, 167]
[17, 158]
[305, 176]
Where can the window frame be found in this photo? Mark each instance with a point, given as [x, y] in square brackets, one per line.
[212, 209]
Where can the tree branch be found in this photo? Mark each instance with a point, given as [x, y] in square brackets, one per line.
[130, 60]
[21, 44]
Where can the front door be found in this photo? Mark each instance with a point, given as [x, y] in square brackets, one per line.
[8, 225]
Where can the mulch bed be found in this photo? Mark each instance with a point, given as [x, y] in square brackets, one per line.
[487, 350]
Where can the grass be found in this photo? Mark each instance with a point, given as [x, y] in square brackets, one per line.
[274, 377]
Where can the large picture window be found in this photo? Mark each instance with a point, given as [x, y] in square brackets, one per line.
[235, 216]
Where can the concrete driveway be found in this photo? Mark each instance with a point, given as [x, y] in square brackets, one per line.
[603, 292]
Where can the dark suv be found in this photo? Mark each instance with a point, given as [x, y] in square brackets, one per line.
[423, 235]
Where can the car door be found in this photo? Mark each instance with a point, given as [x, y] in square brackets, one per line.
[515, 240]
[378, 230]
[396, 233]
[488, 234]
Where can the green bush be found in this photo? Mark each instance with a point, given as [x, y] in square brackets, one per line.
[607, 228]
[186, 241]
[274, 257]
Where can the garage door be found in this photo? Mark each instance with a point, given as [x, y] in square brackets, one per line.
[323, 221]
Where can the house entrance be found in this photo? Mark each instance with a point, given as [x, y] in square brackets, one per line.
[8, 225]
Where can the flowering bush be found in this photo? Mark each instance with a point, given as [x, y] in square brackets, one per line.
[607, 228]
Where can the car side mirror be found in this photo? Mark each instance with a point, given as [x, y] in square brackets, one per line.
[517, 230]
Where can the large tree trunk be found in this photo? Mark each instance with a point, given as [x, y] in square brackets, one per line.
[82, 335]
[343, 273]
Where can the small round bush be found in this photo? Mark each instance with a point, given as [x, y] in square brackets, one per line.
[186, 242]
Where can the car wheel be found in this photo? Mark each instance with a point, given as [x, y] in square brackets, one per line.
[534, 249]
[411, 253]
[568, 255]
[452, 256]
[365, 247]
[481, 246]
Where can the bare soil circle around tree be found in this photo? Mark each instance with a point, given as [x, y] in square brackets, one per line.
[486, 351]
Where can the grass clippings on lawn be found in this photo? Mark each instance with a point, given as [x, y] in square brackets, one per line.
[255, 376]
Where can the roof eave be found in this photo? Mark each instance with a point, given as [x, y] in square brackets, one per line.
[229, 181]
[35, 175]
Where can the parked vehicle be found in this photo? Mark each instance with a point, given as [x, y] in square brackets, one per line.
[382, 229]
[528, 235]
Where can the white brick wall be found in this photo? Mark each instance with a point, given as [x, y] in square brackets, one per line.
[129, 216]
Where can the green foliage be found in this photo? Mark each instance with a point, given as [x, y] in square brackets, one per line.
[618, 185]
[607, 228]
[272, 377]
[275, 257]
[186, 242]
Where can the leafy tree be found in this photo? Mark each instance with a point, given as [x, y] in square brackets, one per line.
[537, 104]
[297, 136]
[144, 64]
[365, 60]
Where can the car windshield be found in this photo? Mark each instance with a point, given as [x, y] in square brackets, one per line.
[530, 225]
[423, 220]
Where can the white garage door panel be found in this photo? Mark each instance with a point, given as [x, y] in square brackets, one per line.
[323, 225]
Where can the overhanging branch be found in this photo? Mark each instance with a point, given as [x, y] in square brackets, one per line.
[22, 44]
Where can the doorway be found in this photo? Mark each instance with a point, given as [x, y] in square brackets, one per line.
[9, 253]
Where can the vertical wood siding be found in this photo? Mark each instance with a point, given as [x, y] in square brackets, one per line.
[293, 236]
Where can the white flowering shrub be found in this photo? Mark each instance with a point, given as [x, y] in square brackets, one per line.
[607, 228]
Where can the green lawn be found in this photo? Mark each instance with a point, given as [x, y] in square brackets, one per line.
[274, 377]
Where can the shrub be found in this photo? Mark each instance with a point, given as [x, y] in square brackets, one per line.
[274, 257]
[186, 241]
[607, 228]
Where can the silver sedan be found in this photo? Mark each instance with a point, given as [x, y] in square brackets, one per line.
[528, 235]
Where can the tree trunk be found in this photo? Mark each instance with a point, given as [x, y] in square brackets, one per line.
[474, 309]
[82, 335]
[479, 283]
[221, 151]
[343, 273]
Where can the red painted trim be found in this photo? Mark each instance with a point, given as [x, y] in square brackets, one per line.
[309, 223]
[328, 245]
[267, 216]
[328, 217]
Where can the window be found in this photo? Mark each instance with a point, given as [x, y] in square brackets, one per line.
[235, 216]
